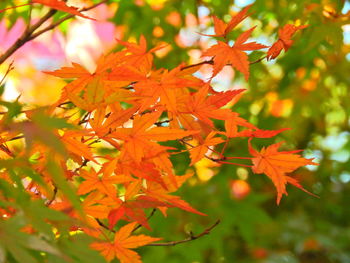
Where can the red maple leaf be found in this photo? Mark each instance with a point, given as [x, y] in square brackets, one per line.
[62, 6]
[120, 246]
[284, 41]
[222, 29]
[276, 164]
[223, 54]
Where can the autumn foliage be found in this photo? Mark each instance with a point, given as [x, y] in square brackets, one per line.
[142, 116]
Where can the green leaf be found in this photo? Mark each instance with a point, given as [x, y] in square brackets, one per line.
[36, 243]
[2, 255]
[48, 122]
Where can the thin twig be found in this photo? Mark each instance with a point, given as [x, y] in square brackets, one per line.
[84, 163]
[160, 123]
[148, 218]
[217, 160]
[211, 62]
[239, 164]
[85, 118]
[104, 226]
[16, 138]
[257, 61]
[49, 202]
[190, 238]
[9, 69]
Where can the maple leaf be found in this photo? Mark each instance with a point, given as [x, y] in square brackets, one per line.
[197, 153]
[103, 182]
[224, 54]
[120, 246]
[108, 68]
[114, 120]
[276, 164]
[92, 208]
[222, 29]
[258, 133]
[232, 123]
[284, 41]
[61, 6]
[205, 107]
[83, 77]
[141, 136]
[161, 89]
[132, 207]
[220, 99]
[159, 193]
[76, 147]
[138, 56]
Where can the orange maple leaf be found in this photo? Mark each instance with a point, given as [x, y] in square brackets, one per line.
[205, 107]
[222, 29]
[138, 56]
[197, 153]
[120, 246]
[77, 147]
[62, 6]
[284, 41]
[156, 192]
[232, 123]
[257, 133]
[162, 89]
[102, 181]
[276, 164]
[141, 137]
[224, 54]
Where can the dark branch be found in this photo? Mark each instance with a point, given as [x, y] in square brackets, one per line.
[104, 226]
[257, 61]
[29, 34]
[211, 62]
[49, 202]
[26, 36]
[190, 238]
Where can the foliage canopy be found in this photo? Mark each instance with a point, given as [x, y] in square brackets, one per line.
[113, 151]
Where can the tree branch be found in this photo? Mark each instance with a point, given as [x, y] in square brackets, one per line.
[104, 226]
[26, 36]
[60, 21]
[30, 33]
[49, 202]
[190, 238]
[257, 61]
[211, 62]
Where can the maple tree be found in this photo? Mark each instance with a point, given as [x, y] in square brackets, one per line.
[143, 116]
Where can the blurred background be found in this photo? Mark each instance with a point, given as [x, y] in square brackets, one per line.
[305, 89]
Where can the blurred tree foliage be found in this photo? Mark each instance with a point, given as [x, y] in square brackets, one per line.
[306, 89]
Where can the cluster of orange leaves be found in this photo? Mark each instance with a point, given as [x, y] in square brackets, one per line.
[131, 107]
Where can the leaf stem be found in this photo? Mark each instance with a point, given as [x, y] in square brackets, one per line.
[238, 164]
